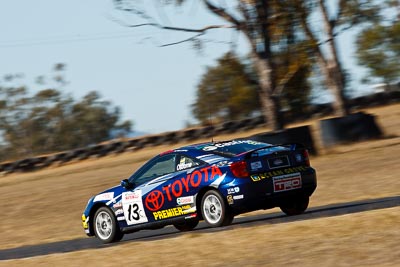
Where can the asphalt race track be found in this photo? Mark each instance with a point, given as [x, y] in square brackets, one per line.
[169, 232]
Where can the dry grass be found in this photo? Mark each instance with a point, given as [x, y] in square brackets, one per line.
[348, 240]
[45, 206]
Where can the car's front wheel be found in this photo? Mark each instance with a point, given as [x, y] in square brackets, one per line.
[295, 206]
[187, 225]
[105, 226]
[214, 209]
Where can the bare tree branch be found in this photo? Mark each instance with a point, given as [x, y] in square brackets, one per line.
[151, 22]
[183, 41]
[223, 14]
[163, 27]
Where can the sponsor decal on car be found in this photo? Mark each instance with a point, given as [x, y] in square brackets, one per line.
[173, 212]
[256, 165]
[231, 143]
[233, 190]
[191, 216]
[298, 157]
[182, 166]
[238, 197]
[133, 207]
[185, 200]
[270, 174]
[117, 205]
[287, 182]
[119, 212]
[229, 198]
[104, 196]
[155, 199]
[223, 163]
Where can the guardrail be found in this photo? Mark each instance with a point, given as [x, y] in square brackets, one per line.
[118, 146]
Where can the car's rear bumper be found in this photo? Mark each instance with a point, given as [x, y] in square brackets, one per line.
[270, 190]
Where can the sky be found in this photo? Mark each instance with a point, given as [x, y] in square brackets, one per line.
[154, 86]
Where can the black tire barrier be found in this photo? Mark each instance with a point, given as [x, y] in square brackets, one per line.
[206, 132]
[254, 122]
[354, 127]
[22, 165]
[188, 135]
[334, 131]
[54, 158]
[131, 144]
[168, 138]
[5, 166]
[109, 148]
[300, 135]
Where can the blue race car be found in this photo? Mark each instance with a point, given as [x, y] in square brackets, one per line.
[210, 181]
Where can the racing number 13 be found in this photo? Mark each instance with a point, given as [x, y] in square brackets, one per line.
[133, 212]
[132, 205]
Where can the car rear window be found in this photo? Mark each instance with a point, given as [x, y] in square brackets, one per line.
[233, 148]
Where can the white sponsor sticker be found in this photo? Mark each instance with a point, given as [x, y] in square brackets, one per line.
[104, 196]
[233, 190]
[132, 205]
[182, 166]
[238, 197]
[118, 212]
[287, 182]
[230, 143]
[256, 165]
[185, 200]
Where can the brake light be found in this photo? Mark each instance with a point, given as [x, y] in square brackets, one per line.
[239, 169]
[306, 157]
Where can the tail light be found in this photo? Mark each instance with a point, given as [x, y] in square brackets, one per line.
[306, 157]
[239, 169]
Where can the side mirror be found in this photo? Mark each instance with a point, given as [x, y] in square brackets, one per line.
[126, 184]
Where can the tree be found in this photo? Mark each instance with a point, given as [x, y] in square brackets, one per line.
[378, 47]
[49, 121]
[228, 91]
[349, 13]
[270, 27]
[266, 26]
[225, 92]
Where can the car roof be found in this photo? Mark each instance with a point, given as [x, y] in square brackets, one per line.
[197, 149]
[192, 149]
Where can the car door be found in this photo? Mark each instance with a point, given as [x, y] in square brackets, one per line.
[147, 195]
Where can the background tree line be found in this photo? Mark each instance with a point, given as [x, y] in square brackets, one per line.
[287, 49]
[50, 121]
[289, 40]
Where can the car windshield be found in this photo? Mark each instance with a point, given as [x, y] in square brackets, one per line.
[233, 148]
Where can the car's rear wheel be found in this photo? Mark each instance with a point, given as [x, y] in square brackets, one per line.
[215, 210]
[106, 227]
[187, 225]
[295, 206]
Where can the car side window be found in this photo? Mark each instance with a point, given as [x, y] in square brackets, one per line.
[160, 166]
[186, 163]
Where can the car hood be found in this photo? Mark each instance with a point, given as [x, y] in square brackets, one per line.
[109, 194]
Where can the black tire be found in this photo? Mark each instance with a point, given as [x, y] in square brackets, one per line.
[295, 206]
[187, 225]
[214, 209]
[106, 227]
